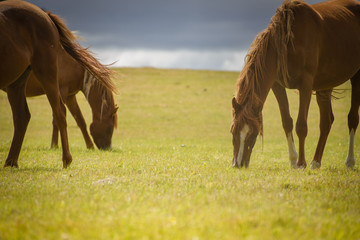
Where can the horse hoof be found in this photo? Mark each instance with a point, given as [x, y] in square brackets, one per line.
[315, 165]
[350, 163]
[66, 165]
[11, 163]
[90, 147]
[15, 165]
[236, 166]
[301, 166]
[67, 162]
[293, 160]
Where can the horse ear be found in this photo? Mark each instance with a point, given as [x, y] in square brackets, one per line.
[235, 105]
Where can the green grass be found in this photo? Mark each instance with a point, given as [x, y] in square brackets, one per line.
[169, 175]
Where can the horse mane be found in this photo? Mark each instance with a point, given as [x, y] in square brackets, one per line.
[82, 55]
[107, 101]
[280, 35]
[103, 96]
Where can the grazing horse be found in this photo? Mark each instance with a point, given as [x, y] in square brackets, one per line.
[73, 77]
[29, 42]
[305, 47]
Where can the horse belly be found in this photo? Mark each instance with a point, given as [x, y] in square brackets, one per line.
[325, 81]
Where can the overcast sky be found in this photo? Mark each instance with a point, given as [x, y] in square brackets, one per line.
[197, 34]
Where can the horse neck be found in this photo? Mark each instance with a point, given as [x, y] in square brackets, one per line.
[99, 97]
[269, 75]
[263, 81]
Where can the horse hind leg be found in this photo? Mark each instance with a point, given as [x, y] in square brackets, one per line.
[287, 121]
[326, 119]
[301, 123]
[55, 132]
[21, 117]
[353, 119]
[55, 135]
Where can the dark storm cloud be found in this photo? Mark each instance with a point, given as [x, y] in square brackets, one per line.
[166, 24]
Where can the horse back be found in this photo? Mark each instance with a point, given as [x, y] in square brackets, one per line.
[326, 42]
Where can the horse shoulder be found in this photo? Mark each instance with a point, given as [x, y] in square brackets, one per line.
[303, 51]
[33, 86]
[71, 73]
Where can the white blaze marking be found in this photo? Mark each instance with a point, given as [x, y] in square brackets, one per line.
[293, 155]
[243, 135]
[350, 160]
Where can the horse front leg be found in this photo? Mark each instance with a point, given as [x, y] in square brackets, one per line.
[21, 117]
[287, 122]
[60, 120]
[326, 119]
[47, 75]
[353, 119]
[76, 112]
[301, 123]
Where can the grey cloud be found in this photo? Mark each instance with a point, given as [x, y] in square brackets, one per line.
[166, 24]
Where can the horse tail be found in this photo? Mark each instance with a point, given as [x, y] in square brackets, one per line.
[82, 55]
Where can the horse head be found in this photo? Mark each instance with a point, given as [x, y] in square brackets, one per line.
[98, 90]
[245, 129]
[102, 129]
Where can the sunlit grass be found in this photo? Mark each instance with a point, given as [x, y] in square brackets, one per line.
[169, 175]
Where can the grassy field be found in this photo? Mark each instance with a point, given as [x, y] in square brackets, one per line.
[169, 175]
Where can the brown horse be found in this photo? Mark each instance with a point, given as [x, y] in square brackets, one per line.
[73, 77]
[30, 41]
[305, 47]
